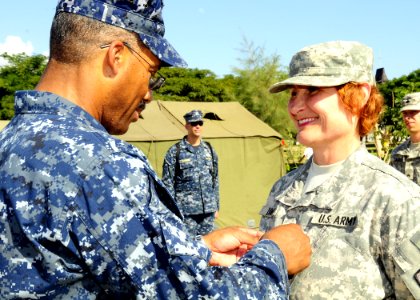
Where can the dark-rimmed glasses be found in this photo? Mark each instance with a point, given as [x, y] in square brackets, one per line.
[193, 124]
[156, 81]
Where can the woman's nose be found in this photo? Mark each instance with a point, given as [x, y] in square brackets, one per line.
[297, 103]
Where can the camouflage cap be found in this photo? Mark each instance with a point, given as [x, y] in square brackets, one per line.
[139, 16]
[193, 116]
[411, 102]
[329, 64]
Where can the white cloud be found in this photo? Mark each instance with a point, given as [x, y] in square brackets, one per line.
[15, 45]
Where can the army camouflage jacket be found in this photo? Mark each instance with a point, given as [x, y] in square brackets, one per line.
[83, 216]
[193, 179]
[407, 161]
[363, 223]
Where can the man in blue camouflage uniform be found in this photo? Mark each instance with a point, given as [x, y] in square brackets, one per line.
[82, 214]
[406, 157]
[362, 216]
[190, 172]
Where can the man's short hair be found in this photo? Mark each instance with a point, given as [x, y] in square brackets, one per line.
[74, 38]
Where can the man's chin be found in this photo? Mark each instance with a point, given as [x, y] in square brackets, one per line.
[118, 130]
[136, 116]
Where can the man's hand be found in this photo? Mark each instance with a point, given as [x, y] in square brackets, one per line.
[294, 244]
[230, 243]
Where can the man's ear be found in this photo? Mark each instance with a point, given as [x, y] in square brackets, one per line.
[114, 58]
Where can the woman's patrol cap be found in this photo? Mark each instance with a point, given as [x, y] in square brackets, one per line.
[329, 64]
[139, 16]
[193, 116]
[411, 102]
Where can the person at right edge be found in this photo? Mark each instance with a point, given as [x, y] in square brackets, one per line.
[82, 213]
[406, 156]
[362, 215]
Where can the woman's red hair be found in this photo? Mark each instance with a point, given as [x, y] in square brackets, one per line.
[352, 96]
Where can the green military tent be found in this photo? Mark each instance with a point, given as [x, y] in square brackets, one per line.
[250, 153]
[3, 124]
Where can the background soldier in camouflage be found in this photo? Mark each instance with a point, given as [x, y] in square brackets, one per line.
[82, 214]
[362, 215]
[406, 157]
[190, 172]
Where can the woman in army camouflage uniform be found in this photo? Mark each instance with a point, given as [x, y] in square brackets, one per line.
[361, 214]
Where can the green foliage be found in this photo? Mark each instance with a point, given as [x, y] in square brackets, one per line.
[21, 72]
[257, 73]
[191, 85]
[393, 91]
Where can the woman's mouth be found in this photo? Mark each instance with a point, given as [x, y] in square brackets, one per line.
[305, 121]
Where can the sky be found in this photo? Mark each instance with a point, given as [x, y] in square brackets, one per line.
[210, 34]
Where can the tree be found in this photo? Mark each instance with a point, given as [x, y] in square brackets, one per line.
[21, 72]
[257, 73]
[191, 85]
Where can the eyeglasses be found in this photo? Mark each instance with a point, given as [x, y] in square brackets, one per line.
[193, 124]
[156, 81]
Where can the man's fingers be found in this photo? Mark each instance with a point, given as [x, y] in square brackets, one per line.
[251, 231]
[247, 235]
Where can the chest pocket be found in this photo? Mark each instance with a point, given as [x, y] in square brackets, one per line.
[208, 161]
[345, 253]
[186, 168]
[272, 215]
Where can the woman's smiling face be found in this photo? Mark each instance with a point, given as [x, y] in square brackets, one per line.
[320, 116]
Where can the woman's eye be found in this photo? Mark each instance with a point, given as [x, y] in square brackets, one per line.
[313, 89]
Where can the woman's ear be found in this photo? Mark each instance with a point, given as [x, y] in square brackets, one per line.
[366, 88]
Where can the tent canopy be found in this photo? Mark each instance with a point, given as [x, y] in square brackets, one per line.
[163, 121]
[3, 124]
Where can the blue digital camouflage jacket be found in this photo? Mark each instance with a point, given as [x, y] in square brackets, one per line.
[83, 216]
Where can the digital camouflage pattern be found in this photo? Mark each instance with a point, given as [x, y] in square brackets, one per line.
[193, 116]
[193, 181]
[406, 159]
[143, 17]
[411, 102]
[329, 64]
[83, 216]
[363, 223]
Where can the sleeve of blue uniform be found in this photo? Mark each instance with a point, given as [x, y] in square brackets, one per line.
[260, 274]
[216, 183]
[168, 171]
